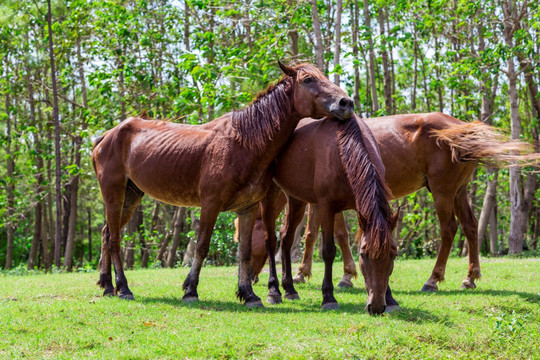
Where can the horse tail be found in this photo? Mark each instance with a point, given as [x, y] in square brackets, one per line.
[369, 189]
[483, 144]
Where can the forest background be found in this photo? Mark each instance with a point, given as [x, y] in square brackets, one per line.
[71, 69]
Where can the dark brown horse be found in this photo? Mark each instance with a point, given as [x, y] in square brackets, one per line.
[334, 165]
[435, 151]
[223, 165]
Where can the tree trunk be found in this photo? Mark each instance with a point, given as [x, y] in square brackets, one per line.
[356, 63]
[293, 34]
[424, 81]
[488, 205]
[58, 164]
[371, 65]
[399, 224]
[515, 238]
[536, 232]
[186, 25]
[89, 213]
[190, 250]
[337, 51]
[134, 227]
[386, 71]
[415, 78]
[531, 184]
[319, 50]
[177, 232]
[74, 194]
[493, 232]
[10, 184]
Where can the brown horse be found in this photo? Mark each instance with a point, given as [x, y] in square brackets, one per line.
[435, 151]
[223, 165]
[336, 166]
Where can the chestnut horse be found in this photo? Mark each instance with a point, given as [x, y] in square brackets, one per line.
[223, 165]
[335, 165]
[431, 150]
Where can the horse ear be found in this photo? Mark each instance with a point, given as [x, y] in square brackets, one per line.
[287, 70]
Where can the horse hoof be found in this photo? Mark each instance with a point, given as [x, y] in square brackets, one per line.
[331, 306]
[429, 288]
[344, 284]
[254, 304]
[391, 308]
[274, 299]
[299, 278]
[126, 296]
[467, 284]
[190, 298]
[292, 296]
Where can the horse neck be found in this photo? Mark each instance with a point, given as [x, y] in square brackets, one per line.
[265, 126]
[369, 189]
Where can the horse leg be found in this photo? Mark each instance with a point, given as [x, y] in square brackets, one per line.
[329, 254]
[119, 204]
[132, 198]
[246, 220]
[295, 213]
[105, 276]
[310, 239]
[269, 215]
[470, 228]
[342, 238]
[444, 205]
[391, 303]
[207, 221]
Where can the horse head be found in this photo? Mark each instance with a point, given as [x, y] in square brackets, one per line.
[315, 96]
[377, 264]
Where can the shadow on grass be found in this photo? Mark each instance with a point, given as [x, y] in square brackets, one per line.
[357, 308]
[232, 306]
[529, 297]
[314, 286]
[418, 315]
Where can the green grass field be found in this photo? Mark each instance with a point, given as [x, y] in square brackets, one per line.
[63, 316]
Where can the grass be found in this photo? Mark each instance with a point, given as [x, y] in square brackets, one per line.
[63, 316]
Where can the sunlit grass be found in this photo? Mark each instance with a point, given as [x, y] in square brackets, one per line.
[64, 316]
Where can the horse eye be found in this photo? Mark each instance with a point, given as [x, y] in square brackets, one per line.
[308, 80]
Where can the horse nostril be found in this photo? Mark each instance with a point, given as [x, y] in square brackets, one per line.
[346, 103]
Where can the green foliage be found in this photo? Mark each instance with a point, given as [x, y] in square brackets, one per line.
[191, 64]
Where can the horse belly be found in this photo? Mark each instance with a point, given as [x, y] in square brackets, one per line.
[172, 177]
[169, 188]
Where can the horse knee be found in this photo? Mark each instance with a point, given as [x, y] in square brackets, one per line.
[329, 251]
[310, 238]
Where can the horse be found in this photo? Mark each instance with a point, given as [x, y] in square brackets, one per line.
[223, 165]
[336, 166]
[431, 150]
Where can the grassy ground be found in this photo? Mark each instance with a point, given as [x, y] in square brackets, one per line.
[64, 316]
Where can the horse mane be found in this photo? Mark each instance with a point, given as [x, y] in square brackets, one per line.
[483, 144]
[369, 188]
[257, 123]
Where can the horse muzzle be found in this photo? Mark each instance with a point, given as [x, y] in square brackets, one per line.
[343, 109]
[373, 309]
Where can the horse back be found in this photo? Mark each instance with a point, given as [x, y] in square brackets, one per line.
[410, 152]
[309, 167]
